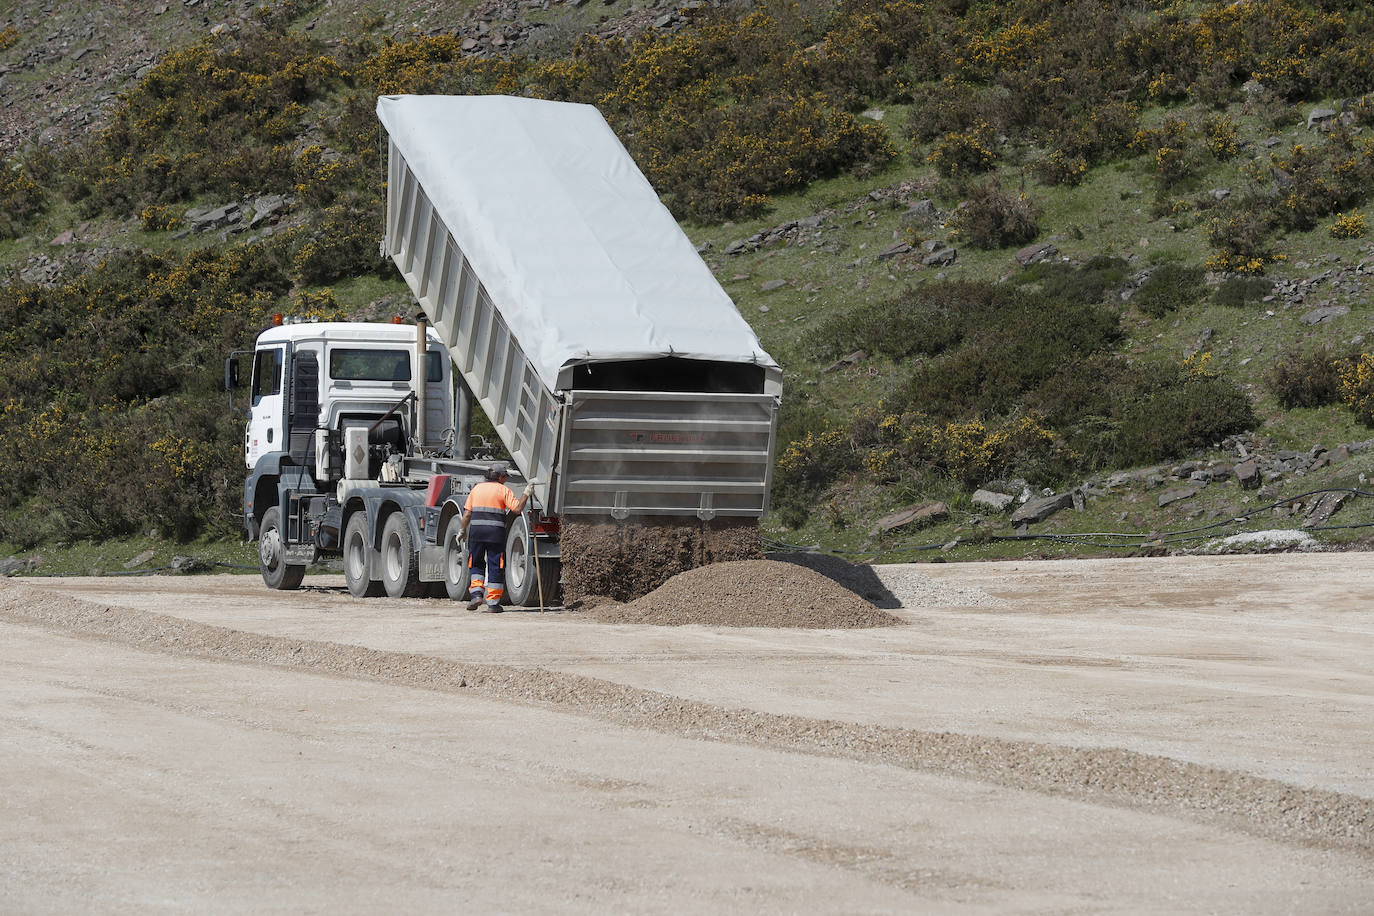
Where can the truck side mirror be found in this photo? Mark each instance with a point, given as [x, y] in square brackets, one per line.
[232, 382]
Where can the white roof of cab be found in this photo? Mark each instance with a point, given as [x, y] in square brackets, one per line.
[571, 242]
[355, 332]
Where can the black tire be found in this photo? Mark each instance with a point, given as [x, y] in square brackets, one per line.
[456, 577]
[523, 579]
[357, 559]
[400, 564]
[276, 572]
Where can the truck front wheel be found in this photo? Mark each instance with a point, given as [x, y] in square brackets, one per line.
[400, 565]
[276, 572]
[357, 557]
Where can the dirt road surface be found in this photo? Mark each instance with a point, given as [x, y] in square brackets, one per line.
[1191, 734]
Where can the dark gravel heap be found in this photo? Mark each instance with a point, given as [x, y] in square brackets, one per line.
[626, 560]
[749, 593]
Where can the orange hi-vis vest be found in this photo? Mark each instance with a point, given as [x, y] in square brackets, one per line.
[488, 502]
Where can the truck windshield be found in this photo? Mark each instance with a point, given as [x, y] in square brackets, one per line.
[380, 365]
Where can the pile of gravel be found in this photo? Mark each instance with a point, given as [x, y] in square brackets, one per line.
[749, 593]
[626, 560]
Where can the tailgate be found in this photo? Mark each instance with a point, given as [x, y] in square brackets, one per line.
[629, 453]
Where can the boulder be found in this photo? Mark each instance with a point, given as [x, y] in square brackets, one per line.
[1037, 510]
[1325, 506]
[844, 362]
[920, 516]
[139, 560]
[941, 258]
[921, 214]
[265, 207]
[1178, 494]
[892, 251]
[1321, 118]
[1034, 254]
[205, 219]
[1325, 313]
[998, 502]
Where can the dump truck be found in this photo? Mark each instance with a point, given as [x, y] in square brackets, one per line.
[557, 294]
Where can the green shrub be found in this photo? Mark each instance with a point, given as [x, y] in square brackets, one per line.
[992, 218]
[1006, 351]
[724, 161]
[1169, 287]
[1357, 387]
[962, 153]
[1174, 155]
[215, 118]
[942, 108]
[1088, 282]
[1241, 241]
[1310, 378]
[1241, 291]
[894, 328]
[1221, 137]
[805, 466]
[111, 418]
[21, 198]
[1173, 412]
[342, 244]
[965, 452]
[1105, 134]
[1320, 181]
[1348, 226]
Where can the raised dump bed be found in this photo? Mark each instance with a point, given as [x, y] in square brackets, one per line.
[616, 370]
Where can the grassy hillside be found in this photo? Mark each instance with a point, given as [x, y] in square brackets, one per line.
[1020, 246]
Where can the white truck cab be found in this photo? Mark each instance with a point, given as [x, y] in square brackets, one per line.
[344, 373]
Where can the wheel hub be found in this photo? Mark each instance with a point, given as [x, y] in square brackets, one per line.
[269, 548]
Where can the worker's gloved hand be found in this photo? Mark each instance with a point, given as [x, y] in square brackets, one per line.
[529, 490]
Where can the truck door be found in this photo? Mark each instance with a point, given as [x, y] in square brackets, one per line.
[267, 414]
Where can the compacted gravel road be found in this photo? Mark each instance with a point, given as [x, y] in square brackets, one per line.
[1189, 734]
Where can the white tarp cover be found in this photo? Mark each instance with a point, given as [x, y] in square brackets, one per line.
[572, 244]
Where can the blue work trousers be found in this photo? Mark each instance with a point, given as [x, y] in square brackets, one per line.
[492, 556]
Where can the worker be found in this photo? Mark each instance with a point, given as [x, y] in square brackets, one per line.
[484, 528]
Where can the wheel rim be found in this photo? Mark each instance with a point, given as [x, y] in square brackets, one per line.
[393, 558]
[453, 560]
[354, 562]
[269, 549]
[517, 568]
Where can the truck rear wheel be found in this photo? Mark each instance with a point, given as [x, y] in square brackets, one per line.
[357, 557]
[523, 577]
[456, 577]
[400, 564]
[276, 572]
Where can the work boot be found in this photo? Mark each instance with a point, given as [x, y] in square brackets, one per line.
[493, 608]
[474, 602]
